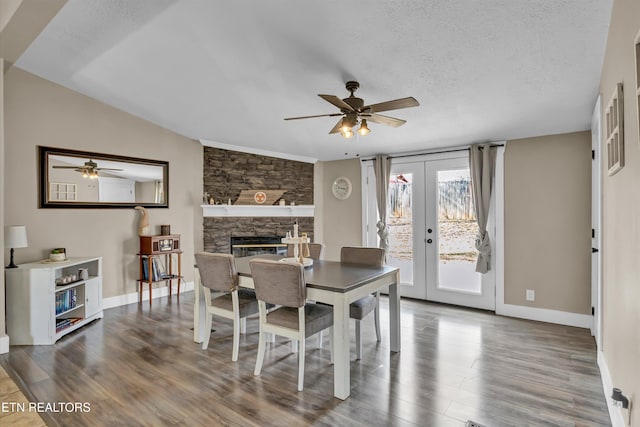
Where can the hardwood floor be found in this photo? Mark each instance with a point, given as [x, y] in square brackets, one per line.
[140, 366]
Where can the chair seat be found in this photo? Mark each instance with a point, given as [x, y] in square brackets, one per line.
[247, 302]
[318, 317]
[360, 308]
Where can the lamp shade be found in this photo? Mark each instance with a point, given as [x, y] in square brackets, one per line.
[15, 236]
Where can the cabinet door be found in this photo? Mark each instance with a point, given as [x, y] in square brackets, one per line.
[92, 296]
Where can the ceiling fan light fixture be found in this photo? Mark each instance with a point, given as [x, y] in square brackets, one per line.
[346, 132]
[85, 174]
[364, 129]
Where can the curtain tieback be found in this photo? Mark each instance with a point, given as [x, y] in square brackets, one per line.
[383, 230]
[483, 246]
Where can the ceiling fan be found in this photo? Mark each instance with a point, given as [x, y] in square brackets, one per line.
[353, 111]
[88, 170]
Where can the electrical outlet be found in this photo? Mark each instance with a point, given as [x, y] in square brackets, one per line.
[531, 295]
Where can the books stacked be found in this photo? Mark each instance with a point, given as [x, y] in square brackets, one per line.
[66, 300]
[65, 323]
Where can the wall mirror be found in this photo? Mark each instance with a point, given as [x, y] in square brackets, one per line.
[81, 179]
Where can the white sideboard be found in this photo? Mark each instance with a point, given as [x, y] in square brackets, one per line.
[41, 309]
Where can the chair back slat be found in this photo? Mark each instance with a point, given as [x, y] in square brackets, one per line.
[217, 271]
[316, 250]
[278, 282]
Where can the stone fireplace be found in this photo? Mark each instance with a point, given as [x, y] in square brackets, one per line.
[226, 173]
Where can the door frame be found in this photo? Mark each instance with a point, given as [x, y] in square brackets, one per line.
[497, 258]
[596, 223]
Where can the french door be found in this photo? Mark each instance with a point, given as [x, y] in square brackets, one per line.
[432, 230]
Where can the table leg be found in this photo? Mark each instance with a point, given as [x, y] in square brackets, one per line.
[179, 272]
[170, 272]
[150, 264]
[341, 368]
[394, 315]
[141, 283]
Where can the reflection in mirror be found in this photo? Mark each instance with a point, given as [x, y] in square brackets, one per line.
[72, 178]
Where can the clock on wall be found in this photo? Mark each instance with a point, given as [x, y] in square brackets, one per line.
[341, 188]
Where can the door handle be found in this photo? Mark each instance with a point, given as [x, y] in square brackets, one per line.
[594, 250]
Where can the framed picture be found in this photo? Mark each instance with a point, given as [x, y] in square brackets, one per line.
[614, 128]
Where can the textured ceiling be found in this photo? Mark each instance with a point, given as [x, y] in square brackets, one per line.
[230, 71]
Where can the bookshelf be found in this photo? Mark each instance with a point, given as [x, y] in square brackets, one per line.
[45, 303]
[154, 250]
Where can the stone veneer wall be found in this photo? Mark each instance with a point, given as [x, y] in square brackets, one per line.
[226, 173]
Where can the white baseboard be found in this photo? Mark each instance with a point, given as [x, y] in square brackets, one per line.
[545, 315]
[133, 297]
[4, 344]
[615, 414]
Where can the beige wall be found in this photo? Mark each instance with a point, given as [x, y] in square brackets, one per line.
[38, 112]
[621, 214]
[338, 222]
[547, 205]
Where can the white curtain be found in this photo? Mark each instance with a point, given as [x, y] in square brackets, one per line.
[382, 169]
[482, 162]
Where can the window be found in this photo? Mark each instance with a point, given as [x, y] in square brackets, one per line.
[614, 121]
[62, 191]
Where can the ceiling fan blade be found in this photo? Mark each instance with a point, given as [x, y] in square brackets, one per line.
[64, 167]
[108, 169]
[396, 104]
[386, 120]
[337, 102]
[311, 117]
[337, 127]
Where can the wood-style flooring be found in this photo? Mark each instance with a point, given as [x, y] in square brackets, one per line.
[140, 366]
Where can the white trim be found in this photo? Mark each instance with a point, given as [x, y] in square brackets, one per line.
[546, 315]
[596, 223]
[250, 150]
[4, 344]
[256, 210]
[499, 234]
[615, 414]
[134, 297]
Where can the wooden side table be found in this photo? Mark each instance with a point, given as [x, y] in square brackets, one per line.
[157, 246]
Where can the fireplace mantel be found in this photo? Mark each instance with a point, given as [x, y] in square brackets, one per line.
[257, 210]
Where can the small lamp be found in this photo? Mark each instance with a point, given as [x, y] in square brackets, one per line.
[15, 236]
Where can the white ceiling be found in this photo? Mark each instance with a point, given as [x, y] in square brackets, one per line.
[228, 72]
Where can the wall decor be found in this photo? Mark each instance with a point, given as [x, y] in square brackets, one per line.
[82, 179]
[259, 197]
[614, 131]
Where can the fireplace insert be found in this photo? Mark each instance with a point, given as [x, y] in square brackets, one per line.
[242, 246]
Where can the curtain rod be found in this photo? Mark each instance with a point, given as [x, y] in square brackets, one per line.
[453, 150]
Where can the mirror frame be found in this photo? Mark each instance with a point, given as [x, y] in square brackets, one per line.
[43, 181]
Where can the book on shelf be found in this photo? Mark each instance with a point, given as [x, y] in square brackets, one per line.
[66, 300]
[157, 269]
[65, 323]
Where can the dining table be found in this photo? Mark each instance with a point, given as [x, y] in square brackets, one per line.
[337, 284]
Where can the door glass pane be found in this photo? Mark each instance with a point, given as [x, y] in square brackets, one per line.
[457, 229]
[400, 221]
